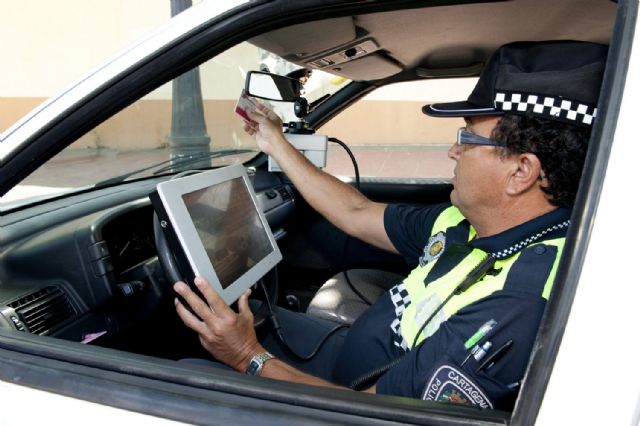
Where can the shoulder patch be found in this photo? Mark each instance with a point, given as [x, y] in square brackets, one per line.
[449, 384]
[433, 249]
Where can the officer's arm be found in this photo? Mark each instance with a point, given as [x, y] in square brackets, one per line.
[279, 370]
[337, 201]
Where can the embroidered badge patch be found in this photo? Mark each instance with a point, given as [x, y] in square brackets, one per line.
[433, 249]
[448, 384]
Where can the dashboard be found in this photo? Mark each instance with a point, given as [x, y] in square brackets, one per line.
[129, 239]
[88, 265]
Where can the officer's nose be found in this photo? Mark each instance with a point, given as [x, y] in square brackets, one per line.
[454, 151]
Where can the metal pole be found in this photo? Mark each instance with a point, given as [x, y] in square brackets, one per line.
[188, 137]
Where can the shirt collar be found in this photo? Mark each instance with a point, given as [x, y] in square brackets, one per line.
[550, 225]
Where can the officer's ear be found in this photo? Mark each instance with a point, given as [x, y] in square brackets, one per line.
[525, 174]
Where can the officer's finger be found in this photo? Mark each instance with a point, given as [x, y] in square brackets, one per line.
[262, 108]
[248, 127]
[258, 116]
[189, 319]
[267, 112]
[214, 300]
[197, 305]
[243, 305]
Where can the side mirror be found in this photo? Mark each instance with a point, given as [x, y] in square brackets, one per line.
[272, 87]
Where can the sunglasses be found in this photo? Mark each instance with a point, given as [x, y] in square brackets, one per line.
[467, 138]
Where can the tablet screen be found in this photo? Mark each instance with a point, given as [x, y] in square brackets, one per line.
[229, 227]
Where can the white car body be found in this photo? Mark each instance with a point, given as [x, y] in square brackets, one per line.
[596, 377]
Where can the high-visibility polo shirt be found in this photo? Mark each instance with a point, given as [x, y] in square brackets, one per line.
[507, 303]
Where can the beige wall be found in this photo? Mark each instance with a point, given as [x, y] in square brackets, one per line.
[13, 108]
[48, 44]
[147, 123]
[372, 122]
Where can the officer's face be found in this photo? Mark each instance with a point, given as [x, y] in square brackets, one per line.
[480, 173]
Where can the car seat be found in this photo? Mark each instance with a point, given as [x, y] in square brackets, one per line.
[337, 302]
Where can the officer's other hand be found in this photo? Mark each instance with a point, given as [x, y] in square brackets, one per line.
[225, 334]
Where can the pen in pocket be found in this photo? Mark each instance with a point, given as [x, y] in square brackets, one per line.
[478, 352]
[495, 356]
[475, 338]
[482, 331]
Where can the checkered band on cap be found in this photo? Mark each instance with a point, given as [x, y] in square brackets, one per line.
[558, 108]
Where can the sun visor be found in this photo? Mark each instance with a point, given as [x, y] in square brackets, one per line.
[310, 38]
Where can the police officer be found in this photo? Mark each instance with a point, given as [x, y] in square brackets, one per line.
[461, 326]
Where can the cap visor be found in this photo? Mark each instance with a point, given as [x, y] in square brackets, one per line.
[458, 109]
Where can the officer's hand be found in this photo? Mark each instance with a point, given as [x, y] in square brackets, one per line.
[225, 334]
[266, 127]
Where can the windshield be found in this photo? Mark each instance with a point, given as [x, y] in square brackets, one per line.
[187, 123]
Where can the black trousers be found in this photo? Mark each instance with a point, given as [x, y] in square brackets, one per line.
[303, 333]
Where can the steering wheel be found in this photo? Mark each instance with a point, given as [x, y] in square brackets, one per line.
[169, 264]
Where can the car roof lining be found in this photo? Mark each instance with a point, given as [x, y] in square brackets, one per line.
[424, 38]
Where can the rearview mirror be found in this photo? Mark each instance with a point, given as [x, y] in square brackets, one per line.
[272, 87]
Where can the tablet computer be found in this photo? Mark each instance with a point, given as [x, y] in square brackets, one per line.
[216, 229]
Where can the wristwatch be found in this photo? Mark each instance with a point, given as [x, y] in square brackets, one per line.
[257, 362]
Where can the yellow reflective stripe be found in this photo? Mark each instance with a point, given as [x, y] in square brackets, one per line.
[450, 216]
[558, 242]
[483, 288]
[472, 233]
[414, 283]
[426, 299]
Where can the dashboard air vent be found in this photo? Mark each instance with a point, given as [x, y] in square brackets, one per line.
[44, 310]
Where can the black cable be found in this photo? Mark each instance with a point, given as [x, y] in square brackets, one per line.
[346, 275]
[346, 243]
[280, 334]
[353, 159]
[367, 379]
[374, 374]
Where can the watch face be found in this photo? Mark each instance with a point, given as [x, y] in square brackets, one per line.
[254, 365]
